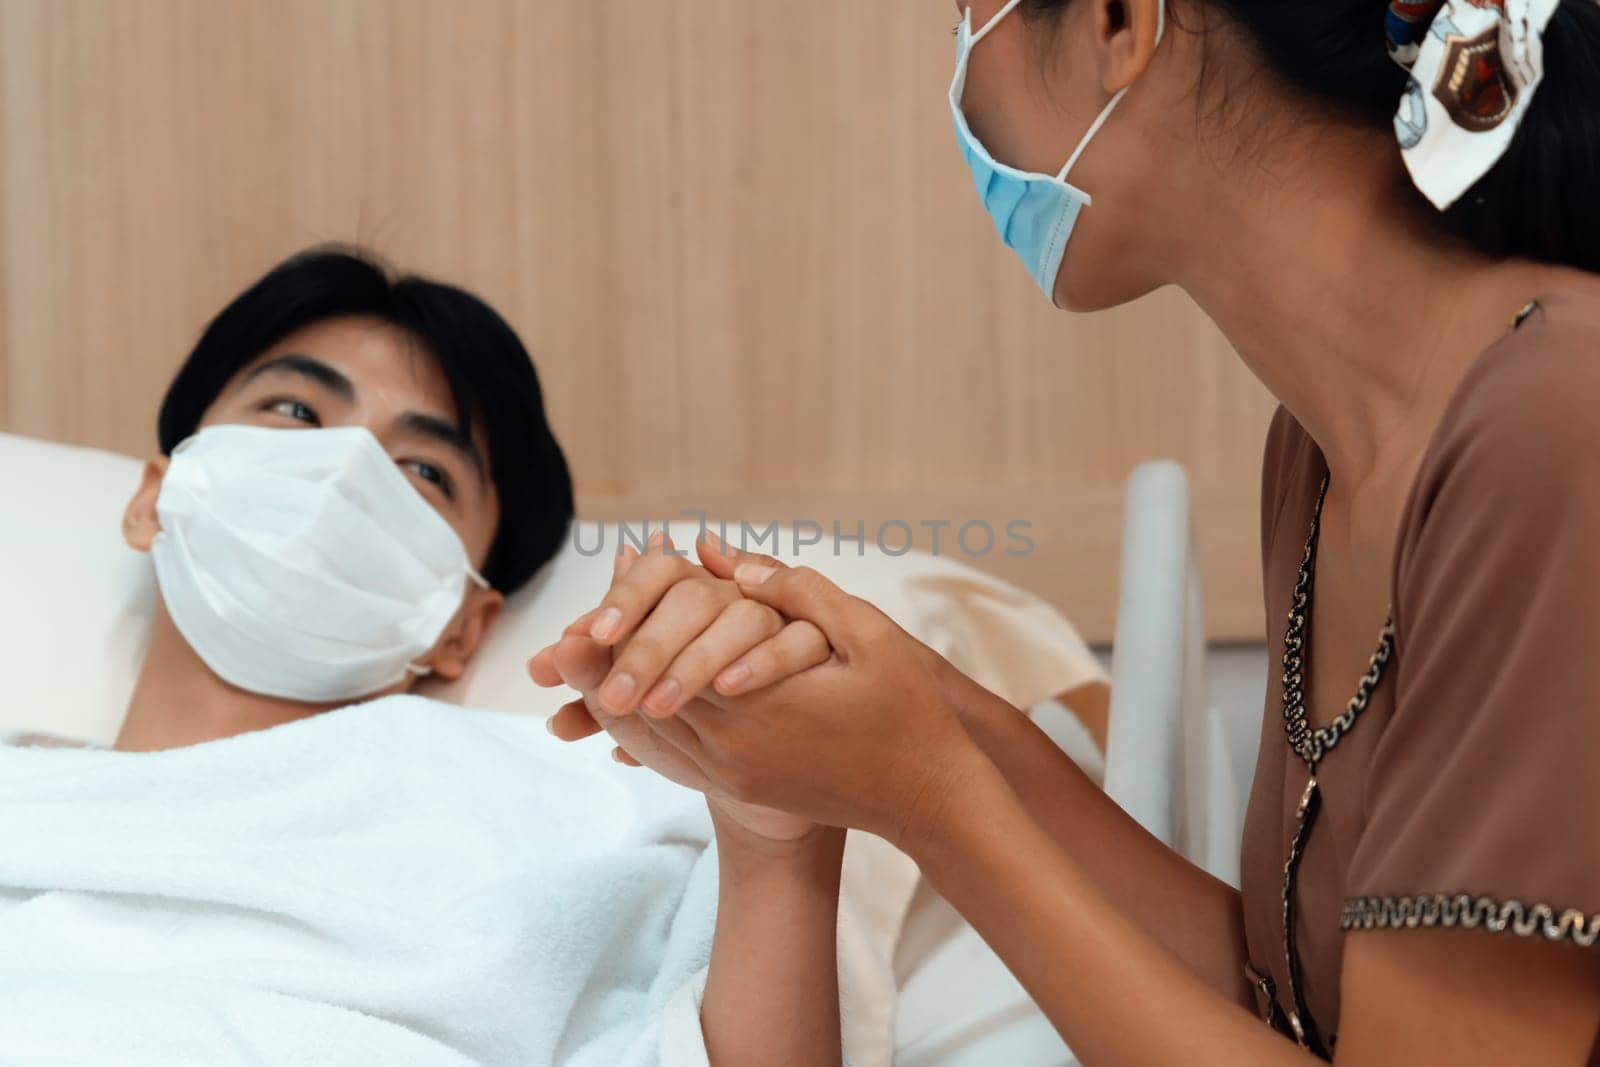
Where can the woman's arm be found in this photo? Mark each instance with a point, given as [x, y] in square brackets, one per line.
[1457, 997]
[772, 995]
[1193, 915]
[1116, 993]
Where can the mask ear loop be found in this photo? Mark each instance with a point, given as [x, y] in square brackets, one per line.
[992, 23]
[1105, 112]
[422, 670]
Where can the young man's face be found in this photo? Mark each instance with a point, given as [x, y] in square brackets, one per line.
[364, 372]
[357, 371]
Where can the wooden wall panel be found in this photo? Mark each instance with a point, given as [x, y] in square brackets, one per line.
[736, 234]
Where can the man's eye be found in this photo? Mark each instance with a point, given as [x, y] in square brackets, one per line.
[293, 409]
[429, 473]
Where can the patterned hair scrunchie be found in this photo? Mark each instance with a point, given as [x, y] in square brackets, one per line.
[1408, 25]
[1475, 66]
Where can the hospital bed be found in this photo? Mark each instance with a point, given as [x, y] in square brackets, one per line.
[1172, 762]
[63, 570]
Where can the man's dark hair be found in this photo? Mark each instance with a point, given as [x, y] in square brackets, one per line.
[492, 381]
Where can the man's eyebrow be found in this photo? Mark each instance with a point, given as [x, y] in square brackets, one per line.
[448, 434]
[306, 367]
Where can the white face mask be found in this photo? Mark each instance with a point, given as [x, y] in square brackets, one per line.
[304, 564]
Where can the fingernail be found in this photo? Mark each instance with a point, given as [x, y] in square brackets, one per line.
[606, 624]
[550, 725]
[663, 697]
[751, 573]
[714, 542]
[616, 755]
[617, 692]
[735, 676]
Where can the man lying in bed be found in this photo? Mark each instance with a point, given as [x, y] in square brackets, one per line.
[355, 471]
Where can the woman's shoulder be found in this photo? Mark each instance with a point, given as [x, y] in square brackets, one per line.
[1536, 388]
[1494, 673]
[1517, 450]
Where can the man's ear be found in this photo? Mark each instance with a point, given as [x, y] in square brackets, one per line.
[139, 522]
[1126, 32]
[461, 639]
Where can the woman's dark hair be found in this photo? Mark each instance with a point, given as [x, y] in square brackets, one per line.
[1540, 199]
[491, 378]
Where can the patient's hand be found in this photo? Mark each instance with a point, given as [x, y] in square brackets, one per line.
[666, 746]
[680, 629]
[645, 742]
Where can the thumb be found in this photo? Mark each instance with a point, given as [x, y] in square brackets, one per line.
[722, 559]
[802, 593]
[541, 666]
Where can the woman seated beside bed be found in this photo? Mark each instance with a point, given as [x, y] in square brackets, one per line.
[355, 471]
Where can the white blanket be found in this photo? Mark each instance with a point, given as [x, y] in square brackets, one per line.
[398, 882]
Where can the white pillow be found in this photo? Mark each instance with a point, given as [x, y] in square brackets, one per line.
[74, 599]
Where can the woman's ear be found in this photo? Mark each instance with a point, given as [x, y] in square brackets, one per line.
[139, 521]
[452, 652]
[1126, 31]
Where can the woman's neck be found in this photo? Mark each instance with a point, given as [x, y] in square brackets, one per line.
[1344, 299]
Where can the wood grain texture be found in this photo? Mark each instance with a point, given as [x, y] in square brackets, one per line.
[737, 236]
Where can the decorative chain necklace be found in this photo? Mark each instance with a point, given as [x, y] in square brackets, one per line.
[1311, 745]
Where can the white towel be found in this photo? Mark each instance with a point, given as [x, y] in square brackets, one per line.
[398, 882]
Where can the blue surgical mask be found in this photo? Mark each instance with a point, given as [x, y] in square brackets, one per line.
[1034, 214]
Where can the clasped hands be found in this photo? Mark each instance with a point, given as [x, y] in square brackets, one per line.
[789, 703]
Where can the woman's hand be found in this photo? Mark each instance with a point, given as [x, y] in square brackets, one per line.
[663, 746]
[888, 766]
[711, 634]
[680, 628]
[871, 738]
[642, 742]
[676, 628]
